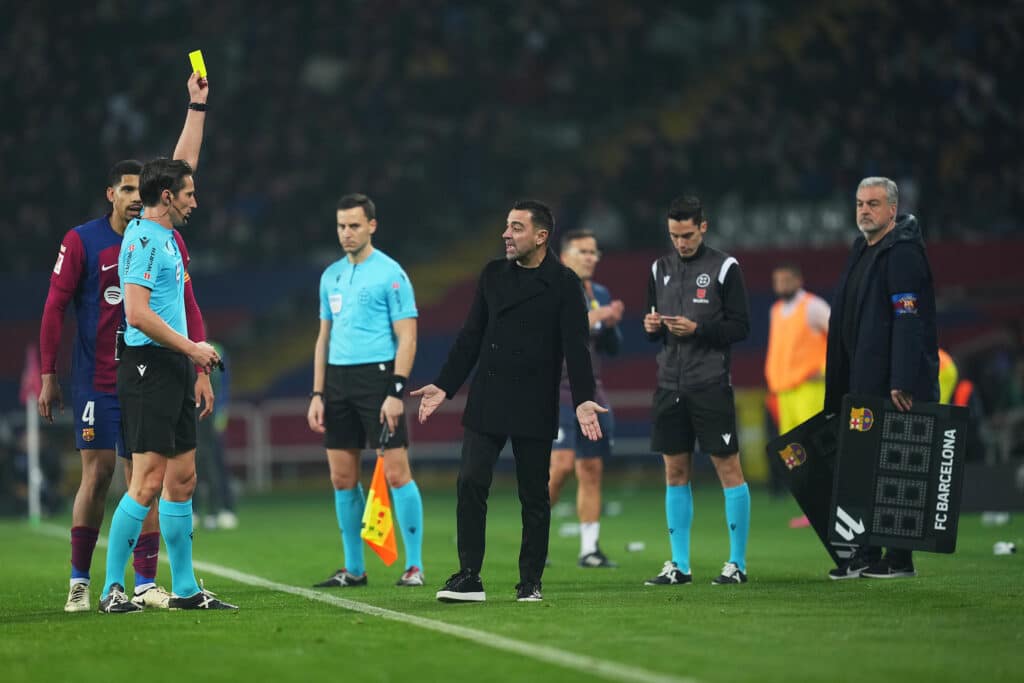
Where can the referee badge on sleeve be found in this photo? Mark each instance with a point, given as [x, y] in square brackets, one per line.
[335, 301]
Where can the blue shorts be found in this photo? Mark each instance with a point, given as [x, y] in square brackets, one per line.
[97, 421]
[570, 437]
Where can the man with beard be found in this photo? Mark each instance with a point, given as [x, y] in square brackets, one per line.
[527, 316]
[882, 340]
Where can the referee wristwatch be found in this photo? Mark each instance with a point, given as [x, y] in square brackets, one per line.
[316, 393]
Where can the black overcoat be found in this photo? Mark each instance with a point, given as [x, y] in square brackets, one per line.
[517, 336]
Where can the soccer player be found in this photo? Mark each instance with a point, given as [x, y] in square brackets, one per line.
[794, 366]
[155, 386]
[86, 273]
[580, 253]
[698, 309]
[362, 360]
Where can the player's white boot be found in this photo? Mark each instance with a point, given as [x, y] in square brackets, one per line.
[78, 597]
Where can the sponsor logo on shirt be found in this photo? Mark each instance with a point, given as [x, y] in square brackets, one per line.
[112, 295]
[703, 280]
[60, 260]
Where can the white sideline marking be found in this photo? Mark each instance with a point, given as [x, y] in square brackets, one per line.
[544, 653]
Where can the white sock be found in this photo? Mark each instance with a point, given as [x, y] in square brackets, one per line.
[74, 581]
[143, 587]
[589, 531]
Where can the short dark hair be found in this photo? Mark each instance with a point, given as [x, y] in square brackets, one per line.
[578, 234]
[159, 175]
[791, 267]
[540, 213]
[686, 208]
[351, 201]
[123, 168]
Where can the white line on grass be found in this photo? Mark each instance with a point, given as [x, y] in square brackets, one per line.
[588, 665]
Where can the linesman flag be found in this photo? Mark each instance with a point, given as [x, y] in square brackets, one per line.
[378, 522]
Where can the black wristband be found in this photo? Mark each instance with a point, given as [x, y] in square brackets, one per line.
[316, 393]
[197, 106]
[396, 387]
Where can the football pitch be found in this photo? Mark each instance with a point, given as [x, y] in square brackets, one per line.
[961, 619]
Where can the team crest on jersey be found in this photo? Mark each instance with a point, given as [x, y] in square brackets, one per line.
[861, 419]
[793, 455]
[88, 433]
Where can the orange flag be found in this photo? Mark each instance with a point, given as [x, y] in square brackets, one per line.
[378, 523]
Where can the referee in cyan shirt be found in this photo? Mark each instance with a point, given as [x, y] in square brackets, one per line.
[363, 356]
[156, 389]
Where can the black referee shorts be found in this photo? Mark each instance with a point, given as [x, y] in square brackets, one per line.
[156, 389]
[707, 415]
[353, 395]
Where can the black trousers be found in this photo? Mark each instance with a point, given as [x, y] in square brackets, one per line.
[533, 461]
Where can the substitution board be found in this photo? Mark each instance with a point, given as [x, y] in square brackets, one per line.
[898, 475]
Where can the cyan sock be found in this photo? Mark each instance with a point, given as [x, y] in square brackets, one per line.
[679, 513]
[409, 514]
[176, 527]
[737, 515]
[348, 506]
[125, 526]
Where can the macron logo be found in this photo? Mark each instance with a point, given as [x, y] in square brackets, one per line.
[726, 438]
[398, 386]
[141, 369]
[664, 280]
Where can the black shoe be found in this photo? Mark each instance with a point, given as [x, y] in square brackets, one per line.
[342, 579]
[851, 569]
[117, 602]
[596, 559]
[730, 574]
[855, 565]
[464, 586]
[528, 592]
[886, 569]
[204, 599]
[669, 576]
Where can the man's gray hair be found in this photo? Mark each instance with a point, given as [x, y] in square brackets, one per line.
[892, 193]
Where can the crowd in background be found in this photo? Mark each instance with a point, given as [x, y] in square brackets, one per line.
[445, 111]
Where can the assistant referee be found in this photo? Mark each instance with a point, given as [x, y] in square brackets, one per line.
[363, 356]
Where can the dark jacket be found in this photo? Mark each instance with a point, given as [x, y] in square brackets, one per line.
[708, 289]
[520, 335]
[896, 343]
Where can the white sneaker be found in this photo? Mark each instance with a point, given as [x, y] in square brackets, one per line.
[413, 576]
[151, 595]
[226, 519]
[78, 597]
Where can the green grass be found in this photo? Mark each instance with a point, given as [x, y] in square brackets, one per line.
[961, 619]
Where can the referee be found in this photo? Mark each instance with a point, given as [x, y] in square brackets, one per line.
[156, 388]
[362, 359]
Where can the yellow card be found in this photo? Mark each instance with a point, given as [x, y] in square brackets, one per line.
[198, 65]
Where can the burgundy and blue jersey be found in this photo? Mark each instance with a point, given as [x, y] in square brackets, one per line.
[86, 274]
